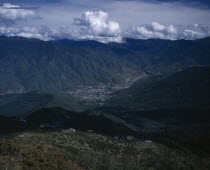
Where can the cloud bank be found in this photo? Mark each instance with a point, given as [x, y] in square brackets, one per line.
[12, 14]
[171, 32]
[92, 25]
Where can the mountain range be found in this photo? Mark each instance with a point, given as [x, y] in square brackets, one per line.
[55, 66]
[146, 91]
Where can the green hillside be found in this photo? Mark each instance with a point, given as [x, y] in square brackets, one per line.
[78, 150]
[173, 110]
[186, 89]
[31, 64]
[15, 104]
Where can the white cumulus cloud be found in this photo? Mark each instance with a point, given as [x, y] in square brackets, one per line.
[153, 30]
[195, 31]
[97, 25]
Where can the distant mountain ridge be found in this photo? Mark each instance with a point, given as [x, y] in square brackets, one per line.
[66, 64]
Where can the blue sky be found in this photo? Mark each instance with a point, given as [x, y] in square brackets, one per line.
[105, 20]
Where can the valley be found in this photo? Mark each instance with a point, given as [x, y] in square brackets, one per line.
[97, 95]
[104, 85]
[65, 65]
[141, 104]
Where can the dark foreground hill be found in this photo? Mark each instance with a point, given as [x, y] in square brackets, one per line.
[58, 118]
[78, 150]
[30, 64]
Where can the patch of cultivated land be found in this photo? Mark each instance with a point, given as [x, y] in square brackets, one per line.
[80, 150]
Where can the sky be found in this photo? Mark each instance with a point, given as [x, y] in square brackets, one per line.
[105, 20]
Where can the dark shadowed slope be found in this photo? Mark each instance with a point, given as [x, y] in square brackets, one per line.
[61, 118]
[15, 104]
[185, 89]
